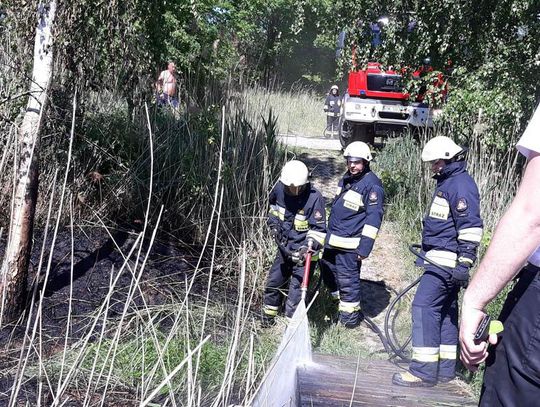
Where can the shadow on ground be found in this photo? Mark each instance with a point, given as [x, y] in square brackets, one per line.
[375, 297]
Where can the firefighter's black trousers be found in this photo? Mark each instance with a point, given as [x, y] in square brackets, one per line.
[332, 126]
[512, 376]
[435, 325]
[283, 270]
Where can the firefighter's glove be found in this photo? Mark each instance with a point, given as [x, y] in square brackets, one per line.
[298, 257]
[276, 234]
[315, 247]
[302, 251]
[460, 275]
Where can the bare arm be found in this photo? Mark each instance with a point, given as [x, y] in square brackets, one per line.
[516, 237]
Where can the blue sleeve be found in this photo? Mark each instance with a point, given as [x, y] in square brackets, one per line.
[465, 207]
[317, 221]
[327, 103]
[373, 202]
[274, 220]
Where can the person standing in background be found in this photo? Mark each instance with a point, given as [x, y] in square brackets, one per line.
[332, 108]
[167, 87]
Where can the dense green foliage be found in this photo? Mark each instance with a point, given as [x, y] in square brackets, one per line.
[488, 50]
[493, 47]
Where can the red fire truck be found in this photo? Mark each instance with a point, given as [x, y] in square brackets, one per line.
[376, 105]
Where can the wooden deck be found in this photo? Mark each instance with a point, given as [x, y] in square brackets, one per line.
[339, 381]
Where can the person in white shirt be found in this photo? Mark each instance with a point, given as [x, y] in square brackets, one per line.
[166, 86]
[512, 376]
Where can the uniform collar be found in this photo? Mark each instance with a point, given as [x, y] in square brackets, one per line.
[451, 169]
[353, 178]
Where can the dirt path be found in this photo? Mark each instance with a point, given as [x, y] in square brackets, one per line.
[314, 143]
[386, 265]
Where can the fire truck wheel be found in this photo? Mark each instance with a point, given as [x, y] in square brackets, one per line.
[363, 133]
[345, 132]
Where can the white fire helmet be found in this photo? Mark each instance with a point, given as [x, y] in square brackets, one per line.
[334, 87]
[358, 149]
[294, 174]
[440, 148]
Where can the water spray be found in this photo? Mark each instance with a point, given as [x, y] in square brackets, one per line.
[293, 351]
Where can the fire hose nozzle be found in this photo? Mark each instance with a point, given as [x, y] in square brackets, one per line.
[305, 280]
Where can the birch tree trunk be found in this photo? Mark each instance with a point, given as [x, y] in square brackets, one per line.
[14, 271]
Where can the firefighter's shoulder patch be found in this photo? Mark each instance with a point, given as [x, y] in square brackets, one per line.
[318, 215]
[373, 198]
[461, 205]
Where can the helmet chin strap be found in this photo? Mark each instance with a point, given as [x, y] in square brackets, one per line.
[458, 157]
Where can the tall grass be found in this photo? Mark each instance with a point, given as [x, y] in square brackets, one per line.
[201, 180]
[299, 111]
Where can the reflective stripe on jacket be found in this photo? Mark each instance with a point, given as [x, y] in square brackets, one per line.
[356, 214]
[452, 225]
[332, 105]
[297, 217]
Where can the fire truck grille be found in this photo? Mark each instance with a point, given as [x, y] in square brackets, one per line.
[395, 116]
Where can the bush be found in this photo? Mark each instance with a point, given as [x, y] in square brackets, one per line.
[493, 114]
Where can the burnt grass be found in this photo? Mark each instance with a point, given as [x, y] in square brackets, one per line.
[96, 261]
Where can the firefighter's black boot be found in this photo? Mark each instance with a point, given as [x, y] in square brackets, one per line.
[351, 319]
[267, 321]
[268, 315]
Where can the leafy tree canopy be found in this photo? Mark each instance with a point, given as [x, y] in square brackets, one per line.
[493, 45]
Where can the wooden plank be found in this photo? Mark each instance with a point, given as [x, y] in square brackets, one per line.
[344, 381]
[381, 379]
[313, 388]
[338, 381]
[384, 392]
[378, 385]
[325, 395]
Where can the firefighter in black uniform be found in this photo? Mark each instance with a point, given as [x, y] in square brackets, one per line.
[355, 219]
[332, 108]
[297, 219]
[450, 237]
